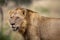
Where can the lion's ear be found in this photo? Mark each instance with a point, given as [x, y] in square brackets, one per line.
[24, 12]
[10, 12]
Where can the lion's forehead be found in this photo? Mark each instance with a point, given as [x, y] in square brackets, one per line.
[15, 13]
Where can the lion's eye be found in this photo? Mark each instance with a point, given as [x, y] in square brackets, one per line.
[10, 17]
[17, 17]
[23, 13]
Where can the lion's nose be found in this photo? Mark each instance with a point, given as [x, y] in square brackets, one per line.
[12, 23]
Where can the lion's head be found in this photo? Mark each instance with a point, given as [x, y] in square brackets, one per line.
[18, 20]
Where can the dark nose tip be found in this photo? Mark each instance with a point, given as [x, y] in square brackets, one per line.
[12, 23]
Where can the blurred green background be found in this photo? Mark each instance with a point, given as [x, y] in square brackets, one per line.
[48, 8]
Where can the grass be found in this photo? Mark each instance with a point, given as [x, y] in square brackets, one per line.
[42, 9]
[4, 37]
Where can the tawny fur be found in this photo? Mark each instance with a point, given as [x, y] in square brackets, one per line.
[37, 27]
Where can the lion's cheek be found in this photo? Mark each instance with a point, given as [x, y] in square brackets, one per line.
[23, 27]
[22, 30]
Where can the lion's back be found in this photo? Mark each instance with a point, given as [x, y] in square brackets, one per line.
[50, 29]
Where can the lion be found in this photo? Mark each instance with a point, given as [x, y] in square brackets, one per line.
[33, 26]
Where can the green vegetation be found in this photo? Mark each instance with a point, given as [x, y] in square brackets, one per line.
[4, 37]
[2, 2]
[42, 9]
[23, 2]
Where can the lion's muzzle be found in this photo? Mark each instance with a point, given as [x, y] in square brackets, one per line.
[14, 27]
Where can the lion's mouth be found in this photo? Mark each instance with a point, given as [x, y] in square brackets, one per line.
[15, 28]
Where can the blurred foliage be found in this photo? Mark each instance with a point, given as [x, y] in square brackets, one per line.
[6, 27]
[42, 9]
[24, 2]
[2, 2]
[4, 37]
